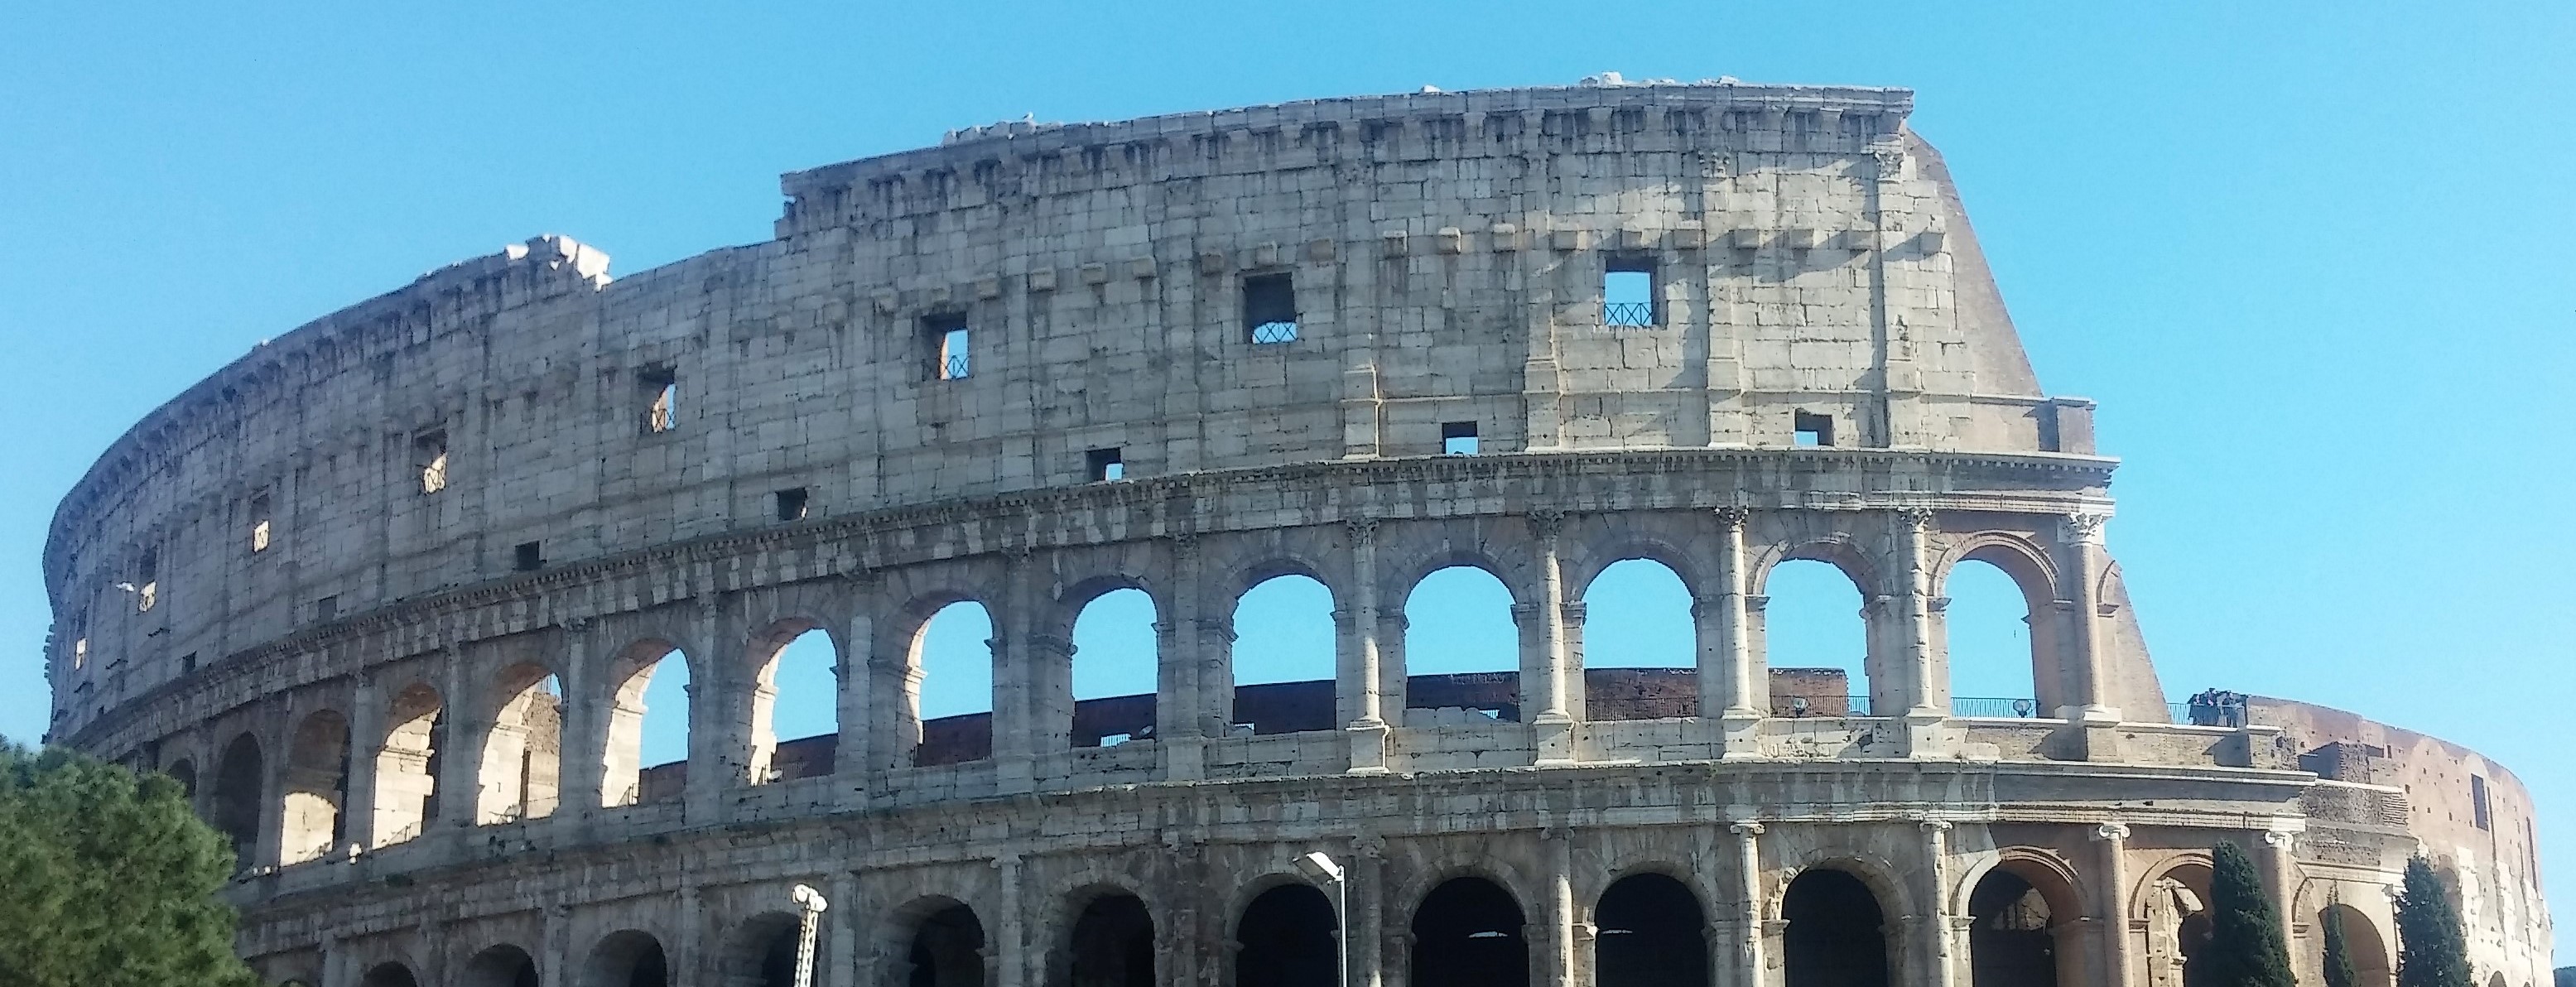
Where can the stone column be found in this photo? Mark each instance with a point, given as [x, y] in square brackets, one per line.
[554, 952]
[1557, 956]
[2112, 904]
[1182, 692]
[840, 959]
[458, 739]
[1362, 678]
[1554, 723]
[1366, 924]
[2083, 544]
[2281, 873]
[688, 960]
[582, 747]
[1009, 960]
[366, 740]
[1018, 678]
[1927, 693]
[1747, 970]
[715, 762]
[854, 759]
[1940, 968]
[1732, 684]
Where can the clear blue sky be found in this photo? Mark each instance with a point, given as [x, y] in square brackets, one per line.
[2312, 258]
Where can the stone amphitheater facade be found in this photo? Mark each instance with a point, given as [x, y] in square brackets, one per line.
[1185, 354]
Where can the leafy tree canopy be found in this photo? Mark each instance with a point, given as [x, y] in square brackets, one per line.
[110, 879]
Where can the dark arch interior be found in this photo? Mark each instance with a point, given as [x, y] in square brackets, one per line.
[948, 950]
[389, 975]
[1113, 944]
[1834, 937]
[1467, 933]
[2009, 944]
[501, 966]
[236, 808]
[763, 952]
[629, 959]
[186, 775]
[1287, 937]
[1648, 932]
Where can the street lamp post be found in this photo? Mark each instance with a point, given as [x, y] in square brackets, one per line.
[1320, 867]
[809, 909]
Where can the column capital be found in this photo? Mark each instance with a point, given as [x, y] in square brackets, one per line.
[1915, 519]
[1747, 828]
[1733, 515]
[1362, 527]
[2278, 839]
[1931, 826]
[2084, 527]
[2111, 832]
[1547, 522]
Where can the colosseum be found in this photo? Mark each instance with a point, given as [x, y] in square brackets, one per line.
[385, 594]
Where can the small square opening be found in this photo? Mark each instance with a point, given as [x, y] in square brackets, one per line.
[659, 388]
[429, 456]
[259, 523]
[1105, 464]
[1628, 291]
[946, 338]
[789, 504]
[147, 581]
[1457, 438]
[188, 662]
[1813, 430]
[80, 654]
[327, 608]
[528, 557]
[1270, 308]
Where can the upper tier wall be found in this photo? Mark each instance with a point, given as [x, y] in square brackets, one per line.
[1447, 253]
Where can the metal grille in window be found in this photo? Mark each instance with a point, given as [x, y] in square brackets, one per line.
[1628, 313]
[1628, 291]
[1274, 332]
[953, 366]
[1270, 308]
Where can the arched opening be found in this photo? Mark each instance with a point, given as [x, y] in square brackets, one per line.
[185, 773]
[1640, 646]
[1462, 649]
[1467, 933]
[648, 725]
[1836, 935]
[1111, 944]
[1286, 937]
[795, 706]
[388, 975]
[1283, 655]
[627, 959]
[1116, 661]
[407, 765]
[2178, 923]
[316, 785]
[1815, 640]
[762, 952]
[523, 752]
[237, 797]
[2362, 944]
[501, 966]
[1991, 640]
[2009, 942]
[1649, 931]
[952, 698]
[946, 948]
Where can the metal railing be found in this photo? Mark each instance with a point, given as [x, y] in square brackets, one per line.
[2008, 707]
[1627, 313]
[1275, 332]
[955, 367]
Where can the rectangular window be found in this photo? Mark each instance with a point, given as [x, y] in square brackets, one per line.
[1813, 430]
[259, 528]
[790, 503]
[1105, 464]
[1270, 308]
[946, 338]
[659, 388]
[1628, 290]
[2478, 801]
[528, 557]
[80, 653]
[147, 581]
[1457, 438]
[429, 455]
[188, 662]
[327, 608]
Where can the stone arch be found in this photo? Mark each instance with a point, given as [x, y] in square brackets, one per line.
[1469, 931]
[1282, 653]
[1423, 557]
[1626, 542]
[388, 974]
[2172, 899]
[1649, 930]
[235, 808]
[627, 958]
[1283, 935]
[407, 764]
[2028, 569]
[184, 772]
[1489, 683]
[2026, 926]
[630, 672]
[2372, 964]
[500, 965]
[1113, 638]
[1110, 941]
[937, 941]
[760, 952]
[521, 769]
[799, 640]
[1808, 613]
[315, 787]
[1836, 931]
[1637, 644]
[926, 669]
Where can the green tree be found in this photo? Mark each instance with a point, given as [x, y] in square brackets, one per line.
[2245, 947]
[2339, 971]
[2431, 949]
[110, 879]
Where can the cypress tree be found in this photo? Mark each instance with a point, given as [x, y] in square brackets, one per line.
[2245, 947]
[2339, 971]
[2432, 951]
